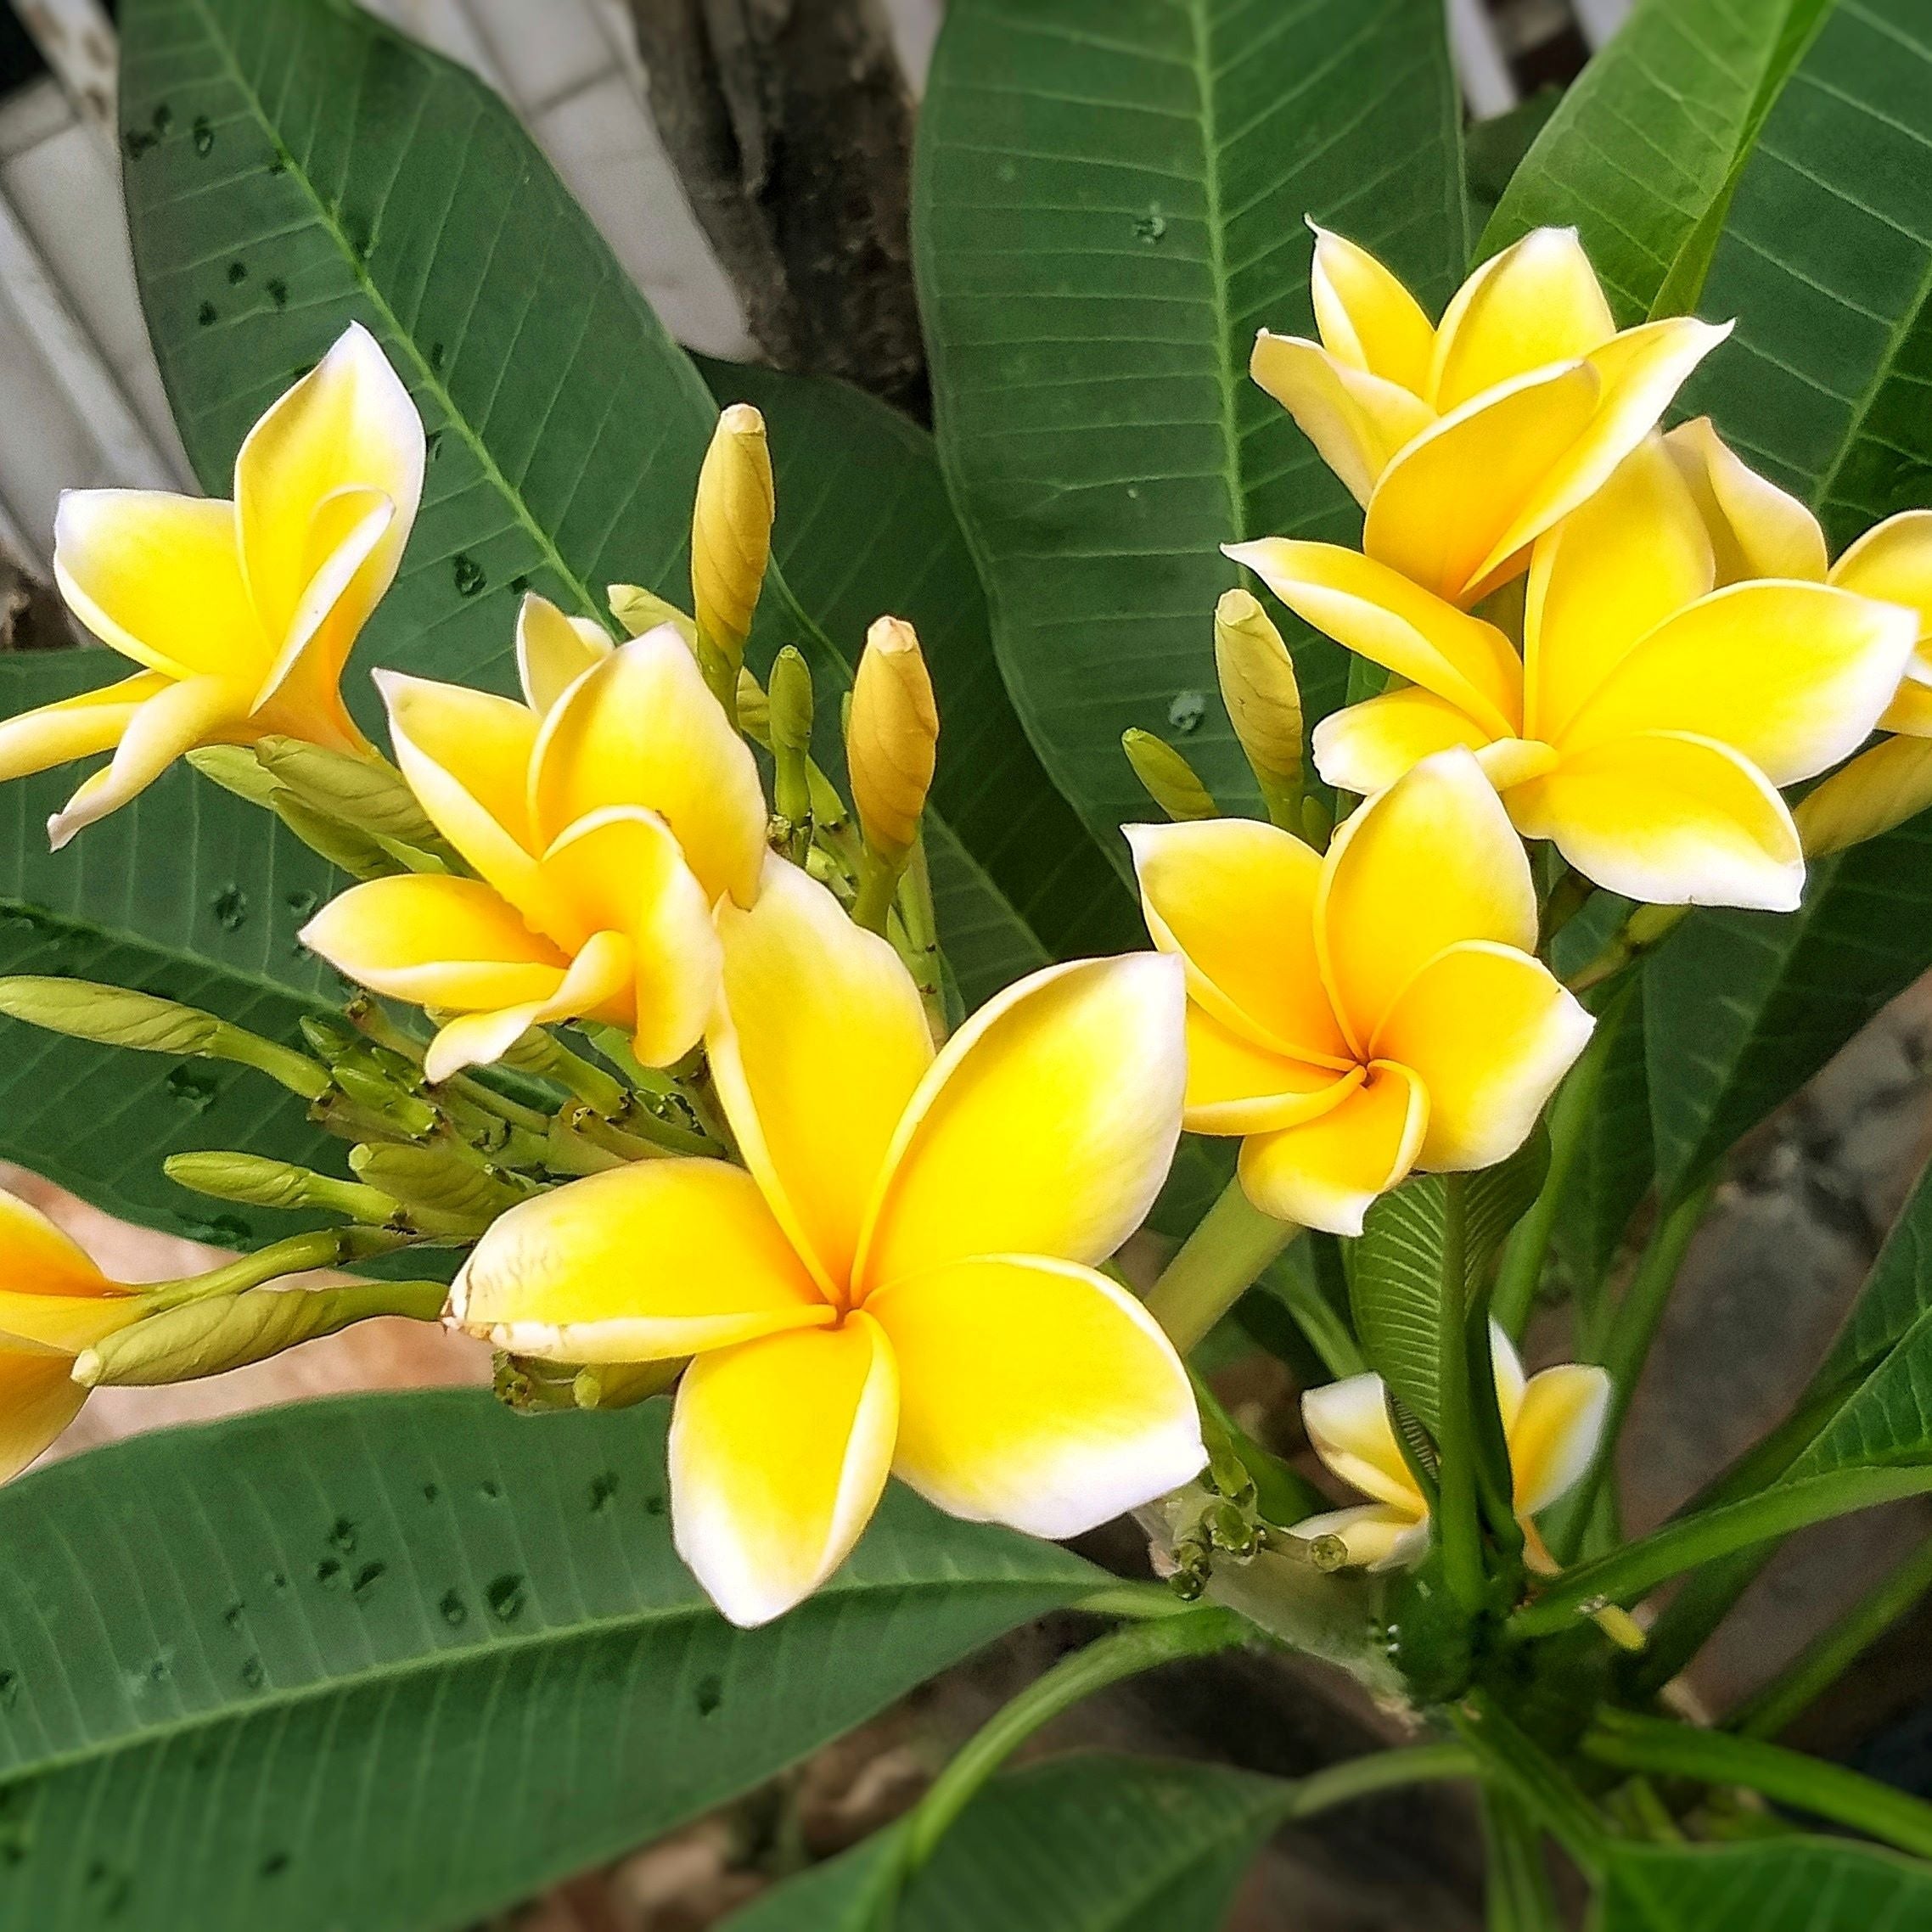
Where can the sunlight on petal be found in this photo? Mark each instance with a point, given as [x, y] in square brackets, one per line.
[1366, 318]
[1536, 303]
[1369, 746]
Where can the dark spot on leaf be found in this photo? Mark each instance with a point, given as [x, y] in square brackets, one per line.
[520, 582]
[218, 1230]
[252, 1674]
[304, 904]
[436, 355]
[603, 1487]
[230, 908]
[204, 135]
[327, 1571]
[274, 1865]
[278, 291]
[431, 1491]
[193, 1086]
[238, 273]
[367, 1578]
[342, 1535]
[232, 1616]
[654, 1506]
[137, 141]
[505, 1597]
[469, 578]
[205, 314]
[490, 1489]
[710, 1694]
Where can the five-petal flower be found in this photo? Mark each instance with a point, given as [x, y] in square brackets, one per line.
[241, 614]
[1552, 1424]
[1356, 1015]
[1652, 717]
[606, 816]
[1465, 441]
[904, 1280]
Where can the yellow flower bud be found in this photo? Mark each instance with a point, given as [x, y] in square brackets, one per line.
[1263, 700]
[1170, 781]
[891, 738]
[754, 708]
[638, 610]
[731, 530]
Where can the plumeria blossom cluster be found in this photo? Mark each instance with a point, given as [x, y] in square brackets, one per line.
[754, 1153]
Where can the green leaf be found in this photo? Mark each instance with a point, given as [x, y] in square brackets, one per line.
[294, 167]
[1742, 1009]
[1795, 1885]
[874, 533]
[1615, 1163]
[1826, 261]
[1395, 1288]
[1086, 1844]
[397, 1662]
[1643, 154]
[187, 893]
[1109, 203]
[1493, 150]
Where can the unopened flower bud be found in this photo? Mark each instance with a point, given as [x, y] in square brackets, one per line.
[619, 1384]
[731, 530]
[439, 1191]
[1263, 700]
[891, 738]
[638, 610]
[754, 708]
[261, 1183]
[368, 793]
[1170, 781]
[790, 701]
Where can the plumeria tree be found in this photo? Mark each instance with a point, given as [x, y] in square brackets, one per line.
[651, 865]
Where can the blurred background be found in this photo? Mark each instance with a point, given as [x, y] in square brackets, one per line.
[705, 138]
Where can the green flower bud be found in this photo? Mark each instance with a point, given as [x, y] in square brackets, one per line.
[619, 1384]
[1170, 781]
[261, 1183]
[754, 711]
[638, 610]
[441, 1193]
[368, 793]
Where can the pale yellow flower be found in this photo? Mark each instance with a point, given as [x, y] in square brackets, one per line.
[905, 1280]
[1758, 530]
[606, 815]
[1465, 441]
[242, 613]
[1358, 1014]
[53, 1303]
[1552, 1423]
[1654, 713]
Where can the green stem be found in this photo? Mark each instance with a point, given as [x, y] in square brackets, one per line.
[1458, 1532]
[1643, 932]
[1509, 1758]
[922, 954]
[1215, 1266]
[1523, 1258]
[1829, 1654]
[1634, 1742]
[1516, 1893]
[1633, 1328]
[1134, 1602]
[879, 879]
[1122, 1654]
[1379, 1770]
[1627, 1574]
[326, 1247]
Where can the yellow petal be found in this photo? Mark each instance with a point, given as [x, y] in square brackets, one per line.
[1756, 529]
[622, 871]
[1793, 675]
[1431, 861]
[643, 729]
[1348, 1427]
[1036, 1394]
[1444, 508]
[1610, 572]
[435, 940]
[818, 1044]
[1376, 1535]
[1235, 900]
[1507, 1366]
[1366, 318]
[1555, 1433]
[347, 429]
[1536, 303]
[1356, 420]
[467, 756]
[1379, 614]
[1491, 1031]
[780, 1450]
[553, 650]
[75, 728]
[1670, 819]
[39, 1398]
[63, 1324]
[645, 1263]
[1894, 561]
[1236, 1087]
[1879, 789]
[38, 1258]
[1045, 1127]
[199, 710]
[1328, 1172]
[158, 577]
[598, 983]
[1910, 710]
[1369, 746]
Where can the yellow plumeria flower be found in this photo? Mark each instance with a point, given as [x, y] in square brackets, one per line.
[905, 1279]
[53, 1303]
[1358, 1014]
[1465, 441]
[1758, 530]
[1652, 717]
[241, 614]
[606, 815]
[1552, 1423]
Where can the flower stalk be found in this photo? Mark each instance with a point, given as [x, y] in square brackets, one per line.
[1216, 1265]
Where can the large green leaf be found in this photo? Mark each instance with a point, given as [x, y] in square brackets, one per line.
[394, 1662]
[1825, 261]
[1083, 1845]
[1108, 203]
[1796, 1884]
[295, 166]
[1742, 1009]
[187, 893]
[1614, 1162]
[1641, 155]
